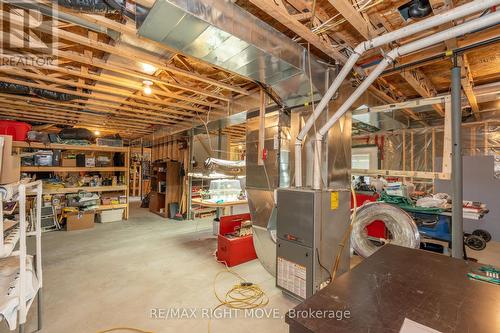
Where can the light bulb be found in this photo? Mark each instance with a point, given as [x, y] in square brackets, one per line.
[147, 90]
[148, 69]
[97, 133]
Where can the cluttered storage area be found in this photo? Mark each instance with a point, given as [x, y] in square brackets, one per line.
[254, 166]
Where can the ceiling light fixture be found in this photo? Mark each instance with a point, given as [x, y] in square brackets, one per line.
[148, 69]
[147, 87]
[97, 133]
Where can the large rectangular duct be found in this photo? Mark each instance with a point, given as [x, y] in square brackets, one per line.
[222, 33]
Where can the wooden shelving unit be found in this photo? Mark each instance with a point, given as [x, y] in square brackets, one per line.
[106, 207]
[71, 169]
[87, 189]
[40, 145]
[164, 173]
[21, 145]
[135, 179]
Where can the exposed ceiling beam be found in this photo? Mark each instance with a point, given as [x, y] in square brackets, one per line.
[98, 106]
[122, 82]
[103, 97]
[352, 16]
[135, 55]
[35, 103]
[43, 116]
[417, 79]
[280, 13]
[108, 92]
[423, 86]
[468, 84]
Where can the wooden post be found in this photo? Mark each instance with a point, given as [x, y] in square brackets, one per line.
[425, 151]
[127, 181]
[447, 137]
[134, 179]
[170, 154]
[412, 161]
[433, 155]
[473, 141]
[486, 145]
[165, 149]
[175, 151]
[404, 150]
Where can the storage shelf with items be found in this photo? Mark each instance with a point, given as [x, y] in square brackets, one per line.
[165, 187]
[199, 190]
[140, 165]
[20, 273]
[102, 171]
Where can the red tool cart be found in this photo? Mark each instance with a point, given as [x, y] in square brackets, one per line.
[232, 249]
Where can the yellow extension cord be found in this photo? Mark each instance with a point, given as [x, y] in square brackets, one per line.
[242, 296]
[125, 329]
[246, 295]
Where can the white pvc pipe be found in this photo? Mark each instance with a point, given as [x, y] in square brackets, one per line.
[436, 20]
[482, 22]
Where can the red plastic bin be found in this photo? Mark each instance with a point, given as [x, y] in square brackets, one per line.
[17, 129]
[234, 251]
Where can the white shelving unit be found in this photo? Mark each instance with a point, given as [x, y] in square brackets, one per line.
[22, 282]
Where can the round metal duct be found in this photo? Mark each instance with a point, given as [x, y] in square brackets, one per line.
[402, 228]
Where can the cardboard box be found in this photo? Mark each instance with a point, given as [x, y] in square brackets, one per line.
[89, 162]
[10, 165]
[68, 162]
[80, 221]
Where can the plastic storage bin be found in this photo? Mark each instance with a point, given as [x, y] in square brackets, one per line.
[17, 129]
[225, 189]
[112, 215]
[109, 142]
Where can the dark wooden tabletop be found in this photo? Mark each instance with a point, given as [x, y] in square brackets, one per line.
[397, 283]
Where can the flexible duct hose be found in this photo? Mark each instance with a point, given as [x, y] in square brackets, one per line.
[98, 6]
[88, 6]
[19, 89]
[401, 226]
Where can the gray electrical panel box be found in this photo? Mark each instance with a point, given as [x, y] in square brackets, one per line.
[310, 226]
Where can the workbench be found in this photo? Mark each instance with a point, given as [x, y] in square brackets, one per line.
[397, 283]
[211, 204]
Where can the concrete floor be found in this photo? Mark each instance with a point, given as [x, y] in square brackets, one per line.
[115, 274]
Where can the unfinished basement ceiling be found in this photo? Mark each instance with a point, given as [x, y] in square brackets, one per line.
[103, 62]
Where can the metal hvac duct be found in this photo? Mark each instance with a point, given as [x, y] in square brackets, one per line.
[221, 33]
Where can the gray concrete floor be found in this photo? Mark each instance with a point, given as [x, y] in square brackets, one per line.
[115, 274]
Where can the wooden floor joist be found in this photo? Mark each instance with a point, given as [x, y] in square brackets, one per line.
[106, 75]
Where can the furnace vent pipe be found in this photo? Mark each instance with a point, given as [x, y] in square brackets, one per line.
[482, 22]
[431, 22]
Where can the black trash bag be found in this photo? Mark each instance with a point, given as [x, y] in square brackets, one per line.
[76, 134]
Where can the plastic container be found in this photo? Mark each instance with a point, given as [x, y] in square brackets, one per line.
[225, 189]
[17, 129]
[112, 215]
[43, 158]
[109, 142]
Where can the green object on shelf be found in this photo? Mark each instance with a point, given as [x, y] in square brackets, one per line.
[407, 204]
